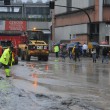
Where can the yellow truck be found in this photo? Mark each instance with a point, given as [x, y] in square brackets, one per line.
[35, 47]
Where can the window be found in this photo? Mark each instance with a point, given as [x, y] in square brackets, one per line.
[107, 38]
[69, 3]
[94, 28]
[106, 1]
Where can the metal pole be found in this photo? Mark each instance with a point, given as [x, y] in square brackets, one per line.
[53, 25]
[78, 9]
[84, 12]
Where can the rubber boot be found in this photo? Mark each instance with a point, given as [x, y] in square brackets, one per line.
[7, 71]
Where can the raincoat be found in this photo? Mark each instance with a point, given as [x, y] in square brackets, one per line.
[56, 48]
[7, 57]
[6, 60]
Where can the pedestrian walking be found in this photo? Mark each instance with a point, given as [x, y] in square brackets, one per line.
[56, 50]
[76, 53]
[105, 54]
[94, 54]
[6, 60]
[70, 52]
[63, 52]
[84, 47]
[97, 51]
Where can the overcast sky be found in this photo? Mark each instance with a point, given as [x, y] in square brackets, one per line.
[34, 0]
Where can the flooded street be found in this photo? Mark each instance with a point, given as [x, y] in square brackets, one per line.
[56, 85]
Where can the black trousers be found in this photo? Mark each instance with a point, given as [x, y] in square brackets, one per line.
[56, 54]
[5, 66]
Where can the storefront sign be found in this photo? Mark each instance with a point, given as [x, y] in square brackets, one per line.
[15, 25]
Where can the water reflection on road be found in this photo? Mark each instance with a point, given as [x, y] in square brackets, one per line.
[84, 72]
[83, 79]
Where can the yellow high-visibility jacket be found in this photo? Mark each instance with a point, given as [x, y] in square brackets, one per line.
[56, 48]
[5, 58]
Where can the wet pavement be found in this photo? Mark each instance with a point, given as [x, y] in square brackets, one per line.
[56, 85]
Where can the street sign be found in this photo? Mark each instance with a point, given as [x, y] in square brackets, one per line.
[74, 37]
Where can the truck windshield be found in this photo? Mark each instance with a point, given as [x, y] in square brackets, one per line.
[5, 43]
[35, 35]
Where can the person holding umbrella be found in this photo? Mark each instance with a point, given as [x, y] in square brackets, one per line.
[105, 53]
[92, 45]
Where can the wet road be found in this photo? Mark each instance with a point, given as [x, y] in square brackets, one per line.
[65, 85]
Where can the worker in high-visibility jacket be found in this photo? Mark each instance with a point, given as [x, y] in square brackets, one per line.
[6, 60]
[56, 50]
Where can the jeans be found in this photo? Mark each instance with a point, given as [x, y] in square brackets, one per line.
[94, 57]
[70, 56]
[105, 58]
[84, 53]
[76, 57]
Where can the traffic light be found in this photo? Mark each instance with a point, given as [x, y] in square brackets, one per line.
[6, 2]
[51, 4]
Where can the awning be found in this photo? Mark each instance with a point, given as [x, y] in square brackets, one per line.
[104, 42]
[46, 32]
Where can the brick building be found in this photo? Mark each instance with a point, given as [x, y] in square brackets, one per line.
[73, 24]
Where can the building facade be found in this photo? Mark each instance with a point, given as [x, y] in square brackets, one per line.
[75, 25]
[33, 15]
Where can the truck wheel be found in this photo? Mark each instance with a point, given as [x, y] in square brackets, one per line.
[16, 60]
[19, 52]
[39, 58]
[27, 57]
[22, 55]
[45, 58]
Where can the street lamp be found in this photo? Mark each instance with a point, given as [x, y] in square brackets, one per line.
[52, 5]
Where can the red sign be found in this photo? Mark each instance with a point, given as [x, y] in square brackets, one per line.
[15, 25]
